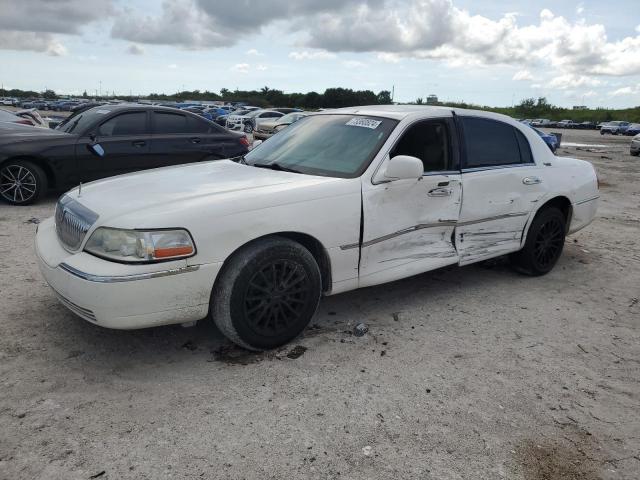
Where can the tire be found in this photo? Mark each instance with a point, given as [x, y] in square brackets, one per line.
[245, 306]
[22, 182]
[543, 245]
[248, 128]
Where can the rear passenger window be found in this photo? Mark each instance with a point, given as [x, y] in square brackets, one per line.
[525, 148]
[196, 125]
[491, 143]
[165, 123]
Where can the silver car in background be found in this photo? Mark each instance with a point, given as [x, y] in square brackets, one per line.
[266, 129]
[635, 145]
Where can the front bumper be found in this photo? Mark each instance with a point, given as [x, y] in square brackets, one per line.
[115, 295]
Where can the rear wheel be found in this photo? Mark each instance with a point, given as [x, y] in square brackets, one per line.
[544, 243]
[248, 128]
[266, 294]
[22, 182]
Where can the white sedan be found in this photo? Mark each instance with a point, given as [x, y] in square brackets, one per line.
[340, 200]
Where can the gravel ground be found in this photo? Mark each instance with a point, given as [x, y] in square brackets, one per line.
[472, 372]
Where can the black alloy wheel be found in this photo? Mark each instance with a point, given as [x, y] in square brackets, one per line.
[549, 242]
[276, 297]
[544, 243]
[266, 293]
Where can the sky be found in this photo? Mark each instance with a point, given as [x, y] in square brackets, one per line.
[486, 52]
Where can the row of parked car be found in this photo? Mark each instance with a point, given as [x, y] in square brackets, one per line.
[100, 140]
[615, 127]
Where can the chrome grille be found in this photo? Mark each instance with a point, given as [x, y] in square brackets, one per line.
[73, 221]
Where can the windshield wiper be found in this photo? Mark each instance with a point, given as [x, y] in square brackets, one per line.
[276, 166]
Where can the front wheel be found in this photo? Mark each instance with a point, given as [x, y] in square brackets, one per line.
[266, 293]
[21, 182]
[544, 243]
[248, 128]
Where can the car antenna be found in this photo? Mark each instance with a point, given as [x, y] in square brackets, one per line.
[80, 190]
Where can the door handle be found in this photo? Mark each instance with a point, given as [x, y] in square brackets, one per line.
[439, 192]
[195, 139]
[531, 180]
[138, 143]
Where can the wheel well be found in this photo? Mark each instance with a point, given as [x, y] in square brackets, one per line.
[310, 243]
[561, 203]
[46, 168]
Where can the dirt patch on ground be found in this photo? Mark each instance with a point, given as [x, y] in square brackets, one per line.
[566, 459]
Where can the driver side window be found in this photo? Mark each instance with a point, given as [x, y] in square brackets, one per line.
[428, 141]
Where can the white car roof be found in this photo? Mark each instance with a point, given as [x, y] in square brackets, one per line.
[400, 112]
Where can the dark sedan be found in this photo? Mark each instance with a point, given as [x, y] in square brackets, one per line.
[104, 141]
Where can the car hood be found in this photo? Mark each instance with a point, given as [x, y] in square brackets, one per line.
[11, 133]
[168, 196]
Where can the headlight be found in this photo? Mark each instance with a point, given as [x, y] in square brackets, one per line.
[139, 245]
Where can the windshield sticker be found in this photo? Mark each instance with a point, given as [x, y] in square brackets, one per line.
[103, 111]
[364, 122]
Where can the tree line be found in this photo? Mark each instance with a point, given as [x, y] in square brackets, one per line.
[346, 97]
[265, 97]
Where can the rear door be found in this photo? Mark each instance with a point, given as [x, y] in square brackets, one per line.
[179, 138]
[408, 224]
[501, 185]
[124, 138]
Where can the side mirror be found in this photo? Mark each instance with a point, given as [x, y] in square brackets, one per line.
[256, 143]
[404, 167]
[96, 149]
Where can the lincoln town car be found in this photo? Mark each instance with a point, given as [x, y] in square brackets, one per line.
[341, 199]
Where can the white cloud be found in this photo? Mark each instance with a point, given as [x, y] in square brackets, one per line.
[261, 68]
[436, 29]
[389, 57]
[32, 41]
[522, 75]
[172, 66]
[254, 52]
[311, 55]
[620, 92]
[353, 64]
[564, 82]
[580, 9]
[241, 68]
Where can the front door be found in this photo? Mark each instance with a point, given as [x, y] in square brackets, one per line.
[408, 224]
[125, 141]
[501, 185]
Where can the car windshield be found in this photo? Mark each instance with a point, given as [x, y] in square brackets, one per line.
[80, 122]
[328, 145]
